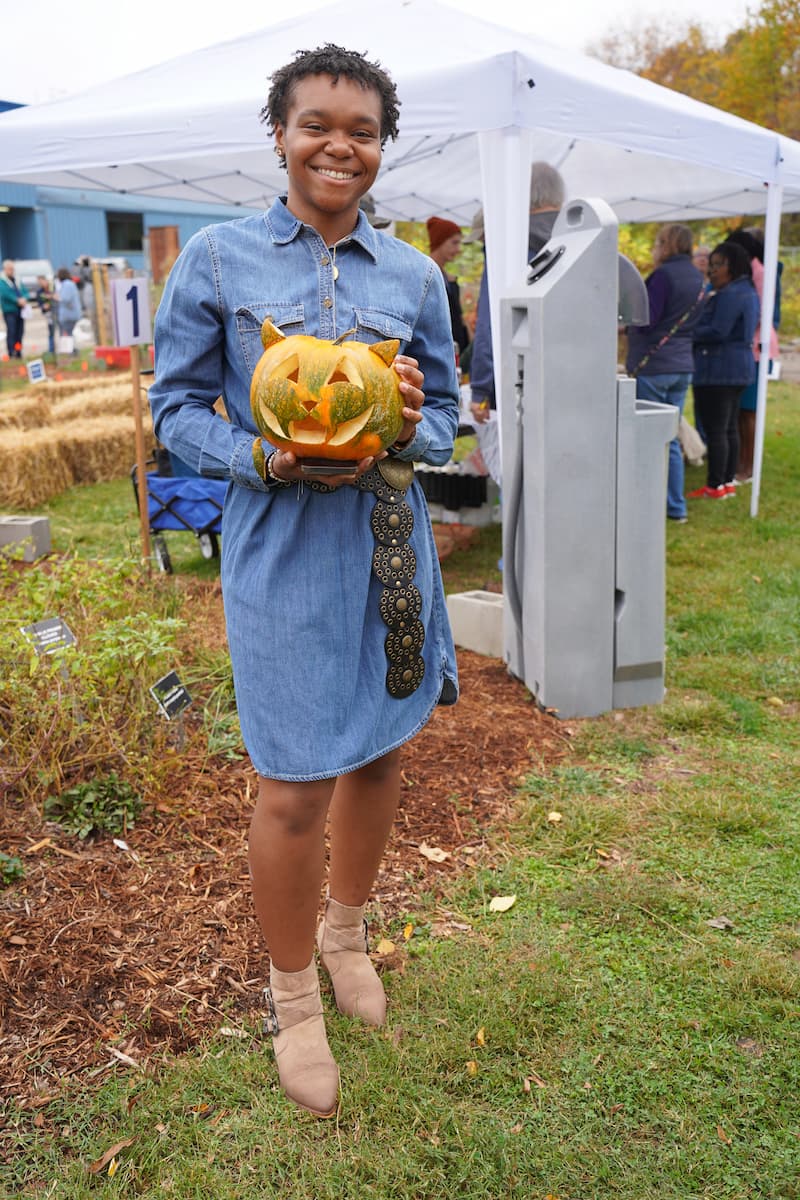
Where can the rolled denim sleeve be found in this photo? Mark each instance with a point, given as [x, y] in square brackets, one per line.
[189, 339]
[432, 346]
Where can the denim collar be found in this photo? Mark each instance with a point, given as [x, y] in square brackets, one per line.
[284, 227]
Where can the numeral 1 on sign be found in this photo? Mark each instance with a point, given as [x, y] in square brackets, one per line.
[133, 296]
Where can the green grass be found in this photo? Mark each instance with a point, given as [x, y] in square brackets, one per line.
[660, 1052]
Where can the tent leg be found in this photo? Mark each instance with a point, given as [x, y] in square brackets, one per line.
[772, 233]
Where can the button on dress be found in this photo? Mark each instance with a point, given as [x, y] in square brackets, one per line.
[301, 600]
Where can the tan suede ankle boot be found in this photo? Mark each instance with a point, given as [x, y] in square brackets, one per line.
[306, 1067]
[342, 942]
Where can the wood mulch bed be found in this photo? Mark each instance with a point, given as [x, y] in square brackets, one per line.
[111, 955]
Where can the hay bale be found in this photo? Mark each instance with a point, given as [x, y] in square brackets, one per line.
[40, 463]
[115, 399]
[23, 411]
[101, 448]
[32, 467]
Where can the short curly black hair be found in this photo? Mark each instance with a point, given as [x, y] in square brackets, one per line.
[334, 61]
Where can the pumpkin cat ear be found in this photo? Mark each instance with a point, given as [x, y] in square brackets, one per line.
[270, 334]
[387, 351]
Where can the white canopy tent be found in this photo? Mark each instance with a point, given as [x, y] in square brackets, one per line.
[479, 104]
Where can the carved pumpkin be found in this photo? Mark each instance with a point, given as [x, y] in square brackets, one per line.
[320, 399]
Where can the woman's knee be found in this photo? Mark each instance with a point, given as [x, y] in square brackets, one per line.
[381, 769]
[294, 809]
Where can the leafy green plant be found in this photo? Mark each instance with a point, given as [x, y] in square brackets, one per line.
[85, 709]
[11, 869]
[106, 805]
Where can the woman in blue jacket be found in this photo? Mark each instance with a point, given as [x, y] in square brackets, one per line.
[723, 363]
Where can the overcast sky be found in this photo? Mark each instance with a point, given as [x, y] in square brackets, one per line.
[59, 47]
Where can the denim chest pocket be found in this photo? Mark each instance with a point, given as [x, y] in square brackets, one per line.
[375, 326]
[289, 318]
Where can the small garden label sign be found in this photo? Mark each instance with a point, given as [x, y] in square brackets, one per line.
[170, 695]
[36, 371]
[49, 635]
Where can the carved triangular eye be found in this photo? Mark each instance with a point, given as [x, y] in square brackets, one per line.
[288, 369]
[346, 371]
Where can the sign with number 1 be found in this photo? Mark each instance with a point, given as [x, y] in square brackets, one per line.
[130, 302]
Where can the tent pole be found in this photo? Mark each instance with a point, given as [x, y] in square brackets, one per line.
[505, 156]
[772, 233]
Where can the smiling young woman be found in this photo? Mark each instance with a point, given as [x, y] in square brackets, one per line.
[334, 605]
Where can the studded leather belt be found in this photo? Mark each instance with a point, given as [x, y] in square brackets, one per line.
[394, 564]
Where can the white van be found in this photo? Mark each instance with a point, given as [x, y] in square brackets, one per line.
[28, 270]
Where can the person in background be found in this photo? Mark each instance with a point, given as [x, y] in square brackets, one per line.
[44, 297]
[700, 259]
[69, 304]
[444, 238]
[659, 354]
[367, 206]
[724, 363]
[13, 299]
[754, 248]
[546, 197]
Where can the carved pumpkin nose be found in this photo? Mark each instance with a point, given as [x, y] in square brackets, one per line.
[326, 399]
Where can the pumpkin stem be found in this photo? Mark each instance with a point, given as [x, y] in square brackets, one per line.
[342, 337]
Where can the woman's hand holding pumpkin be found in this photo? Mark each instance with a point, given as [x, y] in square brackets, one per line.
[286, 466]
[411, 384]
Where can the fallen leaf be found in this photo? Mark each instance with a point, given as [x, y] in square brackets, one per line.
[472, 1067]
[480, 1036]
[385, 947]
[532, 1078]
[722, 1135]
[16, 940]
[433, 853]
[756, 578]
[555, 818]
[120, 844]
[516, 1128]
[502, 903]
[229, 1031]
[775, 701]
[408, 931]
[106, 1158]
[720, 923]
[587, 1086]
[113, 1167]
[749, 1045]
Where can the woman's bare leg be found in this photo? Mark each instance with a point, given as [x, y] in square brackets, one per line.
[361, 815]
[287, 861]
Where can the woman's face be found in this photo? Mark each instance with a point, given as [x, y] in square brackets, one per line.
[700, 260]
[332, 143]
[660, 248]
[718, 272]
[450, 248]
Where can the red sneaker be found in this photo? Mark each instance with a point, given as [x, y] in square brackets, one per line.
[730, 489]
[708, 493]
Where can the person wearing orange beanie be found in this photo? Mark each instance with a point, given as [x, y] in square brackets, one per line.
[444, 238]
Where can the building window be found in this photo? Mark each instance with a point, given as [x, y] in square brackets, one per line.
[125, 232]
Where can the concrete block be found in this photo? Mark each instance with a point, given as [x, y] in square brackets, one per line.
[476, 619]
[33, 531]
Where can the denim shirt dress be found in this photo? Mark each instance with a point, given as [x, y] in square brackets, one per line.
[301, 601]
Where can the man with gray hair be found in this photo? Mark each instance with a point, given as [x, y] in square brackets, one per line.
[547, 197]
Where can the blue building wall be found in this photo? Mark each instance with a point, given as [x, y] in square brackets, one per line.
[60, 224]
